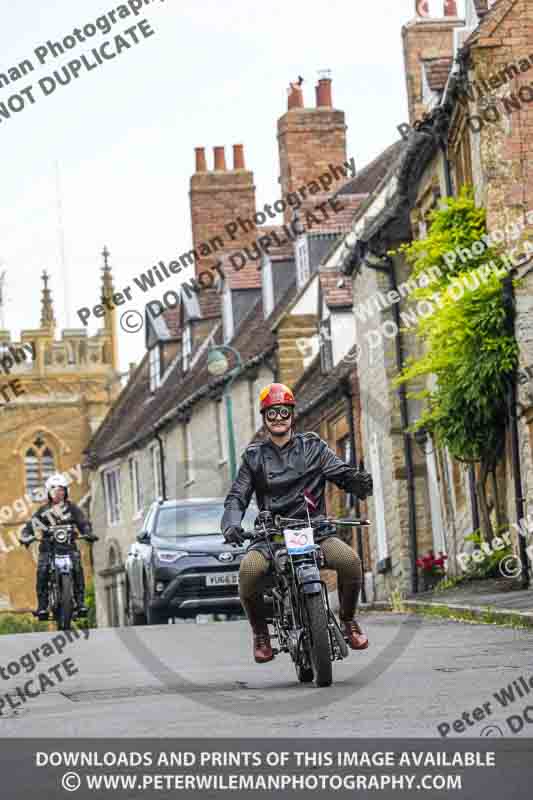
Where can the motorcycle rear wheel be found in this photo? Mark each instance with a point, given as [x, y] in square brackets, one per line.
[319, 646]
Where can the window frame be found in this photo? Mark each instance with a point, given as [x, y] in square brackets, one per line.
[135, 484]
[154, 359]
[303, 271]
[42, 474]
[186, 347]
[189, 454]
[113, 519]
[157, 474]
[267, 287]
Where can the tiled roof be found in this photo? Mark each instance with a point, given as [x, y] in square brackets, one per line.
[437, 72]
[367, 179]
[245, 276]
[329, 221]
[172, 317]
[336, 296]
[285, 249]
[314, 387]
[490, 19]
[210, 303]
[249, 275]
[132, 419]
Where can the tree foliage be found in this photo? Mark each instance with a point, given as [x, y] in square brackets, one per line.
[468, 347]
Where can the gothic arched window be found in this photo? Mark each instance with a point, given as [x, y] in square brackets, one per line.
[39, 465]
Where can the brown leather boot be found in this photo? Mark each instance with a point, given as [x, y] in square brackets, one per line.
[262, 647]
[355, 636]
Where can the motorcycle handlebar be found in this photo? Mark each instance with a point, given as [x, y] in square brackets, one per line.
[33, 539]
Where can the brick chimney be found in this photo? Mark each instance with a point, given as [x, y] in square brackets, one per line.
[424, 38]
[309, 140]
[220, 198]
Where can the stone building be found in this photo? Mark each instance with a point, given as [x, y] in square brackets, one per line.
[459, 133]
[55, 396]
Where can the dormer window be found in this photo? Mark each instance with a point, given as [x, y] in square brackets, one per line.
[155, 367]
[187, 346]
[302, 262]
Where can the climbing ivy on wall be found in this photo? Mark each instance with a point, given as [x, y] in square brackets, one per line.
[468, 345]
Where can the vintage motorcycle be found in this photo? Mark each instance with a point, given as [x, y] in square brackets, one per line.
[61, 539]
[305, 625]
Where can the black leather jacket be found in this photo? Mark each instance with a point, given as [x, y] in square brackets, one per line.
[278, 476]
[72, 515]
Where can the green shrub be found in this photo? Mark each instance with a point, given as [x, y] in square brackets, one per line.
[20, 623]
[490, 566]
[90, 602]
[446, 584]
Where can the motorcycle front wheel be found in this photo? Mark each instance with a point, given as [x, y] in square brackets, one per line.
[66, 602]
[319, 648]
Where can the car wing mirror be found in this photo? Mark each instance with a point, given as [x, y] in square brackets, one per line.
[143, 537]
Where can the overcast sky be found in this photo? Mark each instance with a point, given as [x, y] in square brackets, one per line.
[214, 73]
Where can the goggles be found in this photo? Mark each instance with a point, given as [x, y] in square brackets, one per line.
[283, 412]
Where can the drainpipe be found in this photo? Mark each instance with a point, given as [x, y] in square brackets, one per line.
[404, 416]
[162, 460]
[348, 400]
[512, 419]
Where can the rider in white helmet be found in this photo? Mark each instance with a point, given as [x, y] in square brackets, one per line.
[58, 510]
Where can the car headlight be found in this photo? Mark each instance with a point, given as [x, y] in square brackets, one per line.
[169, 556]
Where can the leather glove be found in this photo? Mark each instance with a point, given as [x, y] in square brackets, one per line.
[363, 484]
[234, 535]
[27, 540]
[91, 537]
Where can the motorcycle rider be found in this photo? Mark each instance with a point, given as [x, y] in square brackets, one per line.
[282, 471]
[58, 511]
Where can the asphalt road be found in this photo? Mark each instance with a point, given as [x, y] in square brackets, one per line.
[200, 680]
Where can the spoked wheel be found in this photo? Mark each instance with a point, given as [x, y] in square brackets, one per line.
[66, 603]
[319, 645]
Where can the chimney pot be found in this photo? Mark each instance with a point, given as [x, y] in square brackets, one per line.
[200, 159]
[422, 8]
[296, 98]
[220, 159]
[238, 156]
[323, 93]
[450, 8]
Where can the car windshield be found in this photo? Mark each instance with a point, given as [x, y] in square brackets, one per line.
[196, 520]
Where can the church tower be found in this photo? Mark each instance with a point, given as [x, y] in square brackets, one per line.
[55, 391]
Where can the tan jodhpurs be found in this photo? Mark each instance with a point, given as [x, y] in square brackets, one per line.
[338, 556]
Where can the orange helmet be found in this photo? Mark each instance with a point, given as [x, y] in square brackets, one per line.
[276, 394]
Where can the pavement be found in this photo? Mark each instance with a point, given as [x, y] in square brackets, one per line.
[499, 596]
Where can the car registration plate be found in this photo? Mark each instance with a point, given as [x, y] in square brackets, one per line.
[223, 579]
